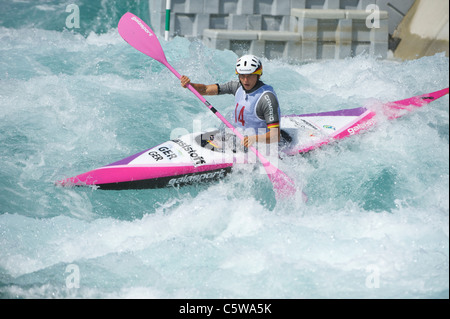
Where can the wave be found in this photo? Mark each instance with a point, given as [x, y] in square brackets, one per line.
[72, 102]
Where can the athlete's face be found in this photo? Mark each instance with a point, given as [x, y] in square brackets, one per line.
[248, 81]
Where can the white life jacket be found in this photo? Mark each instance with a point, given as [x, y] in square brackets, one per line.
[245, 117]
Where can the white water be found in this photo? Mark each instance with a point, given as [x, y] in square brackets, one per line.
[376, 224]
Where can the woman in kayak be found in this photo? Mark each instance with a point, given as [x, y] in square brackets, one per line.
[257, 112]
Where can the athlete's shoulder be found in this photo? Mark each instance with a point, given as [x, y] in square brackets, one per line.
[229, 87]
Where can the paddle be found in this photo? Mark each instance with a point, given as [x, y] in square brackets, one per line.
[139, 35]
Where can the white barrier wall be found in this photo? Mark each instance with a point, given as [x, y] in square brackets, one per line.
[293, 29]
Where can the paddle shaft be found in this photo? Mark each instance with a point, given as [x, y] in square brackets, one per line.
[142, 38]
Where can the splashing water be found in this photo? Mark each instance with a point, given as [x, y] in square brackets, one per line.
[376, 224]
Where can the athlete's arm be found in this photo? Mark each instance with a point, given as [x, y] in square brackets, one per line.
[211, 89]
[272, 136]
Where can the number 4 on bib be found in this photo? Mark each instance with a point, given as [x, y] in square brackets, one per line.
[239, 118]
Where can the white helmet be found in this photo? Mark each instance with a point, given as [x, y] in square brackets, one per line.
[249, 64]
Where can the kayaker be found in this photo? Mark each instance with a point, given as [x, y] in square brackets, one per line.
[257, 111]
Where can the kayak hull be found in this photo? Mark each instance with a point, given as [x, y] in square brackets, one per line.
[204, 157]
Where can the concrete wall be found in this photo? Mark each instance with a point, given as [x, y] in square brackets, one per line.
[189, 16]
[314, 34]
[424, 31]
[306, 29]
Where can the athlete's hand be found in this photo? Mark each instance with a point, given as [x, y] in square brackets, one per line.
[249, 140]
[185, 81]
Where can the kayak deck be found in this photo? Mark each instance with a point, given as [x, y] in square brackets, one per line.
[208, 156]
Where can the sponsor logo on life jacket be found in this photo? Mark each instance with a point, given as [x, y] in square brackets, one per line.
[269, 102]
[197, 178]
[192, 153]
[361, 126]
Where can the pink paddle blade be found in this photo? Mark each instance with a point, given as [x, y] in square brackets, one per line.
[139, 35]
[283, 185]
